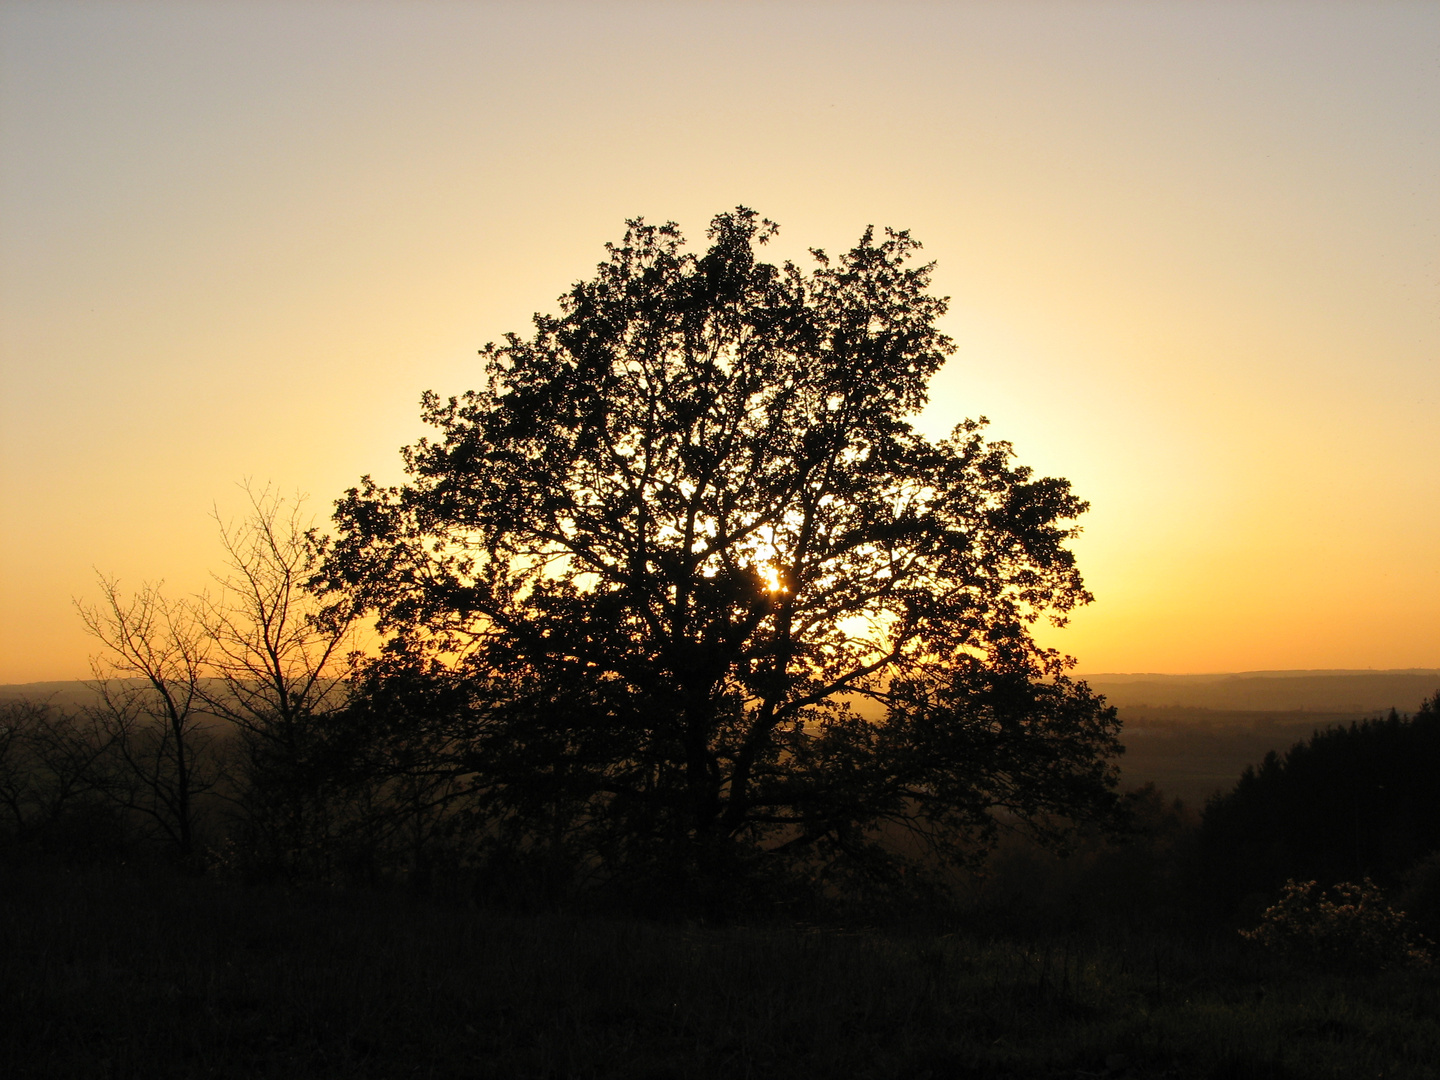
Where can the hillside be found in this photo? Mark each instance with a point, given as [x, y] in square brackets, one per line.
[1325, 691]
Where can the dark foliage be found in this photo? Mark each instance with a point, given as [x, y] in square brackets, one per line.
[1139, 877]
[1419, 896]
[57, 786]
[705, 595]
[1350, 928]
[1346, 804]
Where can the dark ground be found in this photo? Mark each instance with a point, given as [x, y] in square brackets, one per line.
[126, 973]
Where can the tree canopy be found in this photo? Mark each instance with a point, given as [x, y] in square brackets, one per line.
[704, 588]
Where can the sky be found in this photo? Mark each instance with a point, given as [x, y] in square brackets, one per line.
[1191, 250]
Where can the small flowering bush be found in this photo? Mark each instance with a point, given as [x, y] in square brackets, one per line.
[1346, 927]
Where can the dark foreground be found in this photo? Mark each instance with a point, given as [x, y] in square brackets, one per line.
[116, 974]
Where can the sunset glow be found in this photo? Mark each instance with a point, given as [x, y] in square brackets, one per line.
[770, 574]
[1190, 251]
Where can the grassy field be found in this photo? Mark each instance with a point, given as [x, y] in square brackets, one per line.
[126, 974]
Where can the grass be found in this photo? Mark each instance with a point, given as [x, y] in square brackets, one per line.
[129, 974]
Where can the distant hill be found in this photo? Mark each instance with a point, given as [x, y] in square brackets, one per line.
[1323, 691]
[72, 692]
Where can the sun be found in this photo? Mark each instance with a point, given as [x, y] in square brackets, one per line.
[770, 574]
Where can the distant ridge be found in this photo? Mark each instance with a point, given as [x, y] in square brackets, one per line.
[1349, 690]
[1295, 673]
[61, 692]
[1342, 690]
[58, 692]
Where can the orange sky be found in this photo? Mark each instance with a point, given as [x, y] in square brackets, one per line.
[1191, 250]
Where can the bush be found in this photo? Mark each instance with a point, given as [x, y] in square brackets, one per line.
[1347, 927]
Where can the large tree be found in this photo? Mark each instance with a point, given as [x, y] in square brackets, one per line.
[711, 591]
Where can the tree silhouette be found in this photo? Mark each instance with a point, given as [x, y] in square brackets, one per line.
[152, 705]
[326, 792]
[243, 696]
[711, 592]
[279, 666]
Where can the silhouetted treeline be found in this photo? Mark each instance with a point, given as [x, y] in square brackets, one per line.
[1346, 804]
[379, 792]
